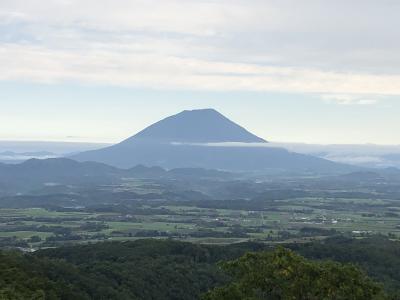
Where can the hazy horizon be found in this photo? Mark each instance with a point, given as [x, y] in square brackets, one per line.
[105, 143]
[119, 136]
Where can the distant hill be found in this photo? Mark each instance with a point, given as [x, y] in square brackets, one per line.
[34, 174]
[53, 171]
[205, 139]
[17, 157]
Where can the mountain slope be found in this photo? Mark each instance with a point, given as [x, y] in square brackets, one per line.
[210, 157]
[196, 126]
[183, 140]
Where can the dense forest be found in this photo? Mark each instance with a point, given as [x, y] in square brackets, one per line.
[283, 274]
[155, 269]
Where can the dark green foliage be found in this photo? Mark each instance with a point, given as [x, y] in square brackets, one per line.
[156, 269]
[27, 277]
[378, 256]
[284, 275]
[145, 269]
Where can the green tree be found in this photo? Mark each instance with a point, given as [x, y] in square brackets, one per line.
[284, 275]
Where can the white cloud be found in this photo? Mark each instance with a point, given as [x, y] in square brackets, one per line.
[343, 99]
[292, 46]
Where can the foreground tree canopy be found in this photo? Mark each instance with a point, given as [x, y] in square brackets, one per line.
[171, 270]
[285, 275]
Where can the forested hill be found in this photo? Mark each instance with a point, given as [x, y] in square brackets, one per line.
[154, 269]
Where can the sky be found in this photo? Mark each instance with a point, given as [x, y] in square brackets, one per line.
[311, 71]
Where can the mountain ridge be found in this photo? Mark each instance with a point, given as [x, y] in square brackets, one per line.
[39, 173]
[169, 144]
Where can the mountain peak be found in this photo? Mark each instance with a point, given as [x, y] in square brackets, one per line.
[201, 110]
[197, 126]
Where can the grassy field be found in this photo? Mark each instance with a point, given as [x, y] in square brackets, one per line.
[204, 225]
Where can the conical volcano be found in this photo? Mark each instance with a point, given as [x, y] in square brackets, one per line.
[204, 139]
[196, 126]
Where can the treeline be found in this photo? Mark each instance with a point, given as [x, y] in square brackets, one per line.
[156, 269]
[377, 255]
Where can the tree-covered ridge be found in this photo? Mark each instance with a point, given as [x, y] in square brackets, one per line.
[28, 277]
[146, 269]
[378, 256]
[284, 275]
[156, 269]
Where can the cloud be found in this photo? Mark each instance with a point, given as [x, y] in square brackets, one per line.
[292, 46]
[133, 65]
[343, 99]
